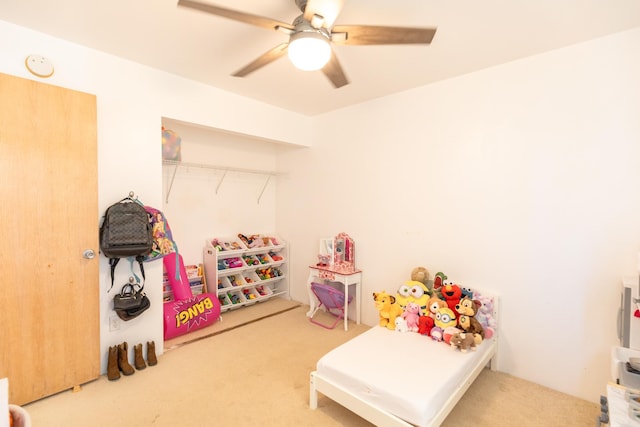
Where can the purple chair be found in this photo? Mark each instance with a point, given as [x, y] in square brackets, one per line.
[331, 299]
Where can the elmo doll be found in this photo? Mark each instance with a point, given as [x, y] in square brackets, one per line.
[452, 295]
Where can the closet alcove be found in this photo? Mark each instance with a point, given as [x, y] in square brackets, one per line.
[224, 184]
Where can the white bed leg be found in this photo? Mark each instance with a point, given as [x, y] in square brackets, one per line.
[313, 394]
[493, 363]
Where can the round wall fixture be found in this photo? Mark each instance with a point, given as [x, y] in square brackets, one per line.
[39, 66]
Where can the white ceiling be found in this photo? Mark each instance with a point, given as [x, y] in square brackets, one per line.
[472, 35]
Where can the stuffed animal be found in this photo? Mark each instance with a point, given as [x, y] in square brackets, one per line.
[425, 324]
[463, 341]
[401, 325]
[438, 280]
[388, 309]
[434, 304]
[470, 325]
[468, 306]
[403, 296]
[421, 294]
[449, 332]
[411, 314]
[485, 315]
[437, 334]
[452, 295]
[413, 291]
[421, 274]
[467, 292]
[445, 318]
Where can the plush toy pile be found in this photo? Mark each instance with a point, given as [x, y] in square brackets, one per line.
[439, 309]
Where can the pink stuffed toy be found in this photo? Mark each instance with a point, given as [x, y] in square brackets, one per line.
[412, 315]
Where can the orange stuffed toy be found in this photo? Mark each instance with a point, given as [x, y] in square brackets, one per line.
[388, 309]
[434, 304]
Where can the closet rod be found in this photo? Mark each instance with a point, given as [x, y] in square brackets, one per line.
[226, 169]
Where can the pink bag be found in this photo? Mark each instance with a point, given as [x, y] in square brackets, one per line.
[187, 313]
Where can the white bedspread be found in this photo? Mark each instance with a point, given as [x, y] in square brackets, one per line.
[404, 373]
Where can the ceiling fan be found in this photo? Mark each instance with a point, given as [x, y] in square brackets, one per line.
[311, 35]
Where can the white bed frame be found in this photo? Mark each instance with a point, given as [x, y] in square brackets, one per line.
[380, 417]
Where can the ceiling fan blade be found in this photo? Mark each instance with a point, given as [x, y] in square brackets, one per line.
[247, 18]
[263, 60]
[333, 71]
[374, 35]
[322, 12]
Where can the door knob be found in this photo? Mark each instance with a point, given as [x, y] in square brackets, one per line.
[89, 254]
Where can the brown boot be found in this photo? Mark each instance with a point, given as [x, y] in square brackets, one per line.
[151, 353]
[123, 359]
[138, 360]
[113, 373]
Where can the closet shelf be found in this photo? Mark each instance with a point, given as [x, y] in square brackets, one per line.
[225, 169]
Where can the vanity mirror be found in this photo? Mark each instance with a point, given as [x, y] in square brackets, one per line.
[325, 255]
[337, 253]
[344, 258]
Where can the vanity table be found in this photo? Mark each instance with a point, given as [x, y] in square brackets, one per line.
[337, 265]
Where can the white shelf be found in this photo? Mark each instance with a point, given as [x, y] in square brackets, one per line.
[245, 267]
[276, 286]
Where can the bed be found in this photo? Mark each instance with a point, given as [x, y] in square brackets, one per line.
[395, 378]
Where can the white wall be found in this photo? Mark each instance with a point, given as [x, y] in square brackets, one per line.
[522, 179]
[132, 100]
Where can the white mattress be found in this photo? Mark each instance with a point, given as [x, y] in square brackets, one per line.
[403, 373]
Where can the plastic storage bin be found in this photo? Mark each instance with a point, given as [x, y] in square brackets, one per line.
[619, 358]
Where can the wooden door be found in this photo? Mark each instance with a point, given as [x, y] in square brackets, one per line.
[49, 292]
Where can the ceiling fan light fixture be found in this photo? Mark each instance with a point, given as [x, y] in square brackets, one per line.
[309, 50]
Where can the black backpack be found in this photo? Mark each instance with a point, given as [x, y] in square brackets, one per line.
[126, 233]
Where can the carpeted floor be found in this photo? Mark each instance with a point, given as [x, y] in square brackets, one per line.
[232, 319]
[258, 374]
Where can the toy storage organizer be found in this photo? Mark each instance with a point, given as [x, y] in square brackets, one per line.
[244, 275]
